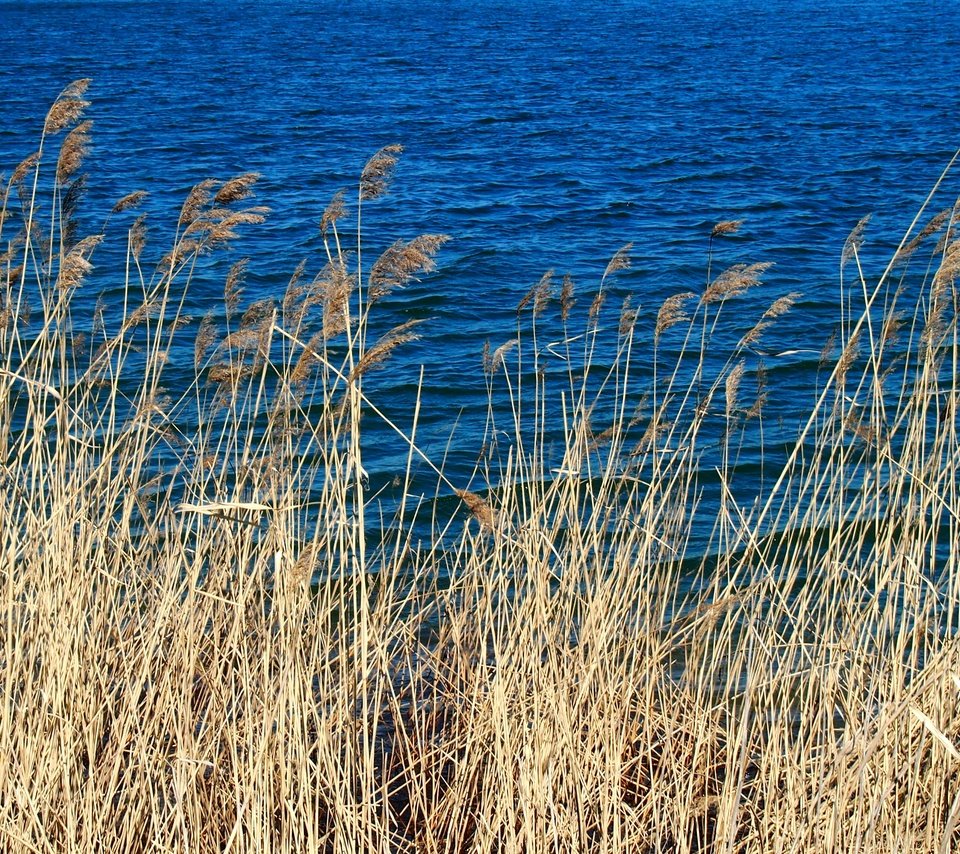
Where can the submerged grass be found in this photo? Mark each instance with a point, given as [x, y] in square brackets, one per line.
[211, 642]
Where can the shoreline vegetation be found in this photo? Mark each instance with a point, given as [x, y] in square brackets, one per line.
[214, 638]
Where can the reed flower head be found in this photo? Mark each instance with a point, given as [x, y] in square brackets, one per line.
[401, 262]
[131, 200]
[672, 312]
[854, 241]
[378, 171]
[236, 189]
[68, 107]
[727, 226]
[75, 147]
[734, 281]
[333, 211]
[619, 261]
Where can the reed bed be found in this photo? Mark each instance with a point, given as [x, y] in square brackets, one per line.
[212, 640]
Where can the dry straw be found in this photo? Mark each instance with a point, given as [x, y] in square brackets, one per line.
[219, 634]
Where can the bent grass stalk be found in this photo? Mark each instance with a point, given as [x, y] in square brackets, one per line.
[211, 641]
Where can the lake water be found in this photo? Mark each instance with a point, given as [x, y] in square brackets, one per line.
[541, 134]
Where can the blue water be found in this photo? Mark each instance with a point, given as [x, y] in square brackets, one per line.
[541, 134]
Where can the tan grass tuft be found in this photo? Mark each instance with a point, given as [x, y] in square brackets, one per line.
[497, 359]
[25, 166]
[197, 199]
[628, 317]
[732, 389]
[137, 236]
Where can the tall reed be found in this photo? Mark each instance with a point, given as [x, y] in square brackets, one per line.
[211, 642]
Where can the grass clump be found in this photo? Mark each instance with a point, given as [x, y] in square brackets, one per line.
[211, 642]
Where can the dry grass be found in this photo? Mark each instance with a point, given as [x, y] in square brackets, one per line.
[210, 643]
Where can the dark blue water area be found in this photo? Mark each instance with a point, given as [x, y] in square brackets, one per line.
[539, 135]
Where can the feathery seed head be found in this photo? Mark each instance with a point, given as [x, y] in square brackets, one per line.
[25, 166]
[131, 200]
[75, 147]
[68, 107]
[734, 281]
[76, 263]
[854, 241]
[236, 189]
[206, 337]
[138, 236]
[374, 357]
[479, 507]
[377, 172]
[727, 226]
[732, 387]
[496, 360]
[628, 316]
[334, 210]
[233, 286]
[401, 262]
[566, 297]
[197, 199]
[672, 312]
[619, 261]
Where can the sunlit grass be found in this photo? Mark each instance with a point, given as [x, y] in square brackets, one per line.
[213, 640]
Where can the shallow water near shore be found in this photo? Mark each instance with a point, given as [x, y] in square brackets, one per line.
[538, 135]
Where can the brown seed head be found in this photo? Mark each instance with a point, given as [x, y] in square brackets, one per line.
[595, 307]
[375, 357]
[26, 165]
[732, 388]
[727, 226]
[131, 200]
[479, 507]
[75, 147]
[496, 360]
[936, 223]
[137, 236]
[206, 337]
[68, 107]
[401, 262]
[672, 312]
[334, 287]
[334, 210]
[236, 189]
[376, 174]
[628, 316]
[197, 199]
[233, 286]
[76, 263]
[854, 241]
[734, 281]
[619, 261]
[566, 297]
